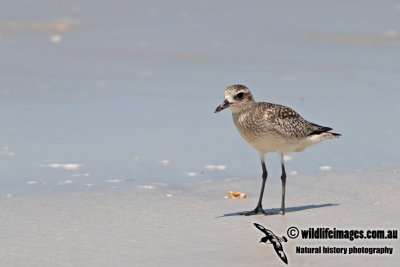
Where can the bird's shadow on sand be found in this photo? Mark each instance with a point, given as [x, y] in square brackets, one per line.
[287, 210]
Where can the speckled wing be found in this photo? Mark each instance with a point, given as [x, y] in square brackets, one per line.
[287, 122]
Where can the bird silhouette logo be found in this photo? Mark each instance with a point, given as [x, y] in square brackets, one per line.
[274, 240]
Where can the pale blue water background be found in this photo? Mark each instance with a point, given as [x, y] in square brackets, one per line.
[142, 79]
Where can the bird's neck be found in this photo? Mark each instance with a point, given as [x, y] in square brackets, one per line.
[236, 111]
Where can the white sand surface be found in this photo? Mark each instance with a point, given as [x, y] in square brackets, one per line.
[137, 227]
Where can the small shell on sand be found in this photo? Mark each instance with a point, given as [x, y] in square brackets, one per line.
[68, 166]
[293, 173]
[149, 187]
[32, 182]
[216, 167]
[395, 171]
[192, 174]
[56, 38]
[168, 195]
[325, 168]
[237, 194]
[114, 181]
[164, 161]
[64, 182]
[81, 175]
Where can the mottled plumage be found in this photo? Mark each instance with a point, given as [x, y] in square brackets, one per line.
[276, 128]
[271, 128]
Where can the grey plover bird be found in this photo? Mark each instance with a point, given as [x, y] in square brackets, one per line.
[271, 128]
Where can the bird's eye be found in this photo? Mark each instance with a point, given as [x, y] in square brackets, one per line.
[240, 95]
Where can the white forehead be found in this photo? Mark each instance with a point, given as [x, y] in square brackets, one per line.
[231, 91]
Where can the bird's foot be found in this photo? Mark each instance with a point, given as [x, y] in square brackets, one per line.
[274, 213]
[282, 211]
[259, 209]
[255, 211]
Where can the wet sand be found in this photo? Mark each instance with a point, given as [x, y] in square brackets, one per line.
[141, 226]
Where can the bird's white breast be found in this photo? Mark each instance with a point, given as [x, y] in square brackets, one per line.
[270, 142]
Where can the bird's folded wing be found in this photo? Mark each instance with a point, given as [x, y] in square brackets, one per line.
[287, 122]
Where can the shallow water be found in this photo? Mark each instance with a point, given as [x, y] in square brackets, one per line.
[118, 87]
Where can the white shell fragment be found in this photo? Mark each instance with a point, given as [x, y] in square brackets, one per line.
[56, 38]
[149, 187]
[164, 161]
[64, 182]
[69, 166]
[216, 167]
[114, 181]
[325, 168]
[81, 175]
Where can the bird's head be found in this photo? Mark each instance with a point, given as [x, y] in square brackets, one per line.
[237, 98]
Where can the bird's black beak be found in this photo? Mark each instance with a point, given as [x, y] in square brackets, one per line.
[223, 105]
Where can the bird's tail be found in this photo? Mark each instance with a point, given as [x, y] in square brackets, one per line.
[337, 135]
[326, 135]
[316, 138]
[325, 131]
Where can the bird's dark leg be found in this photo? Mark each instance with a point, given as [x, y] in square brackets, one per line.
[264, 179]
[283, 178]
[259, 204]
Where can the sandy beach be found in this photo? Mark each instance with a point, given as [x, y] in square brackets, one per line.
[142, 227]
